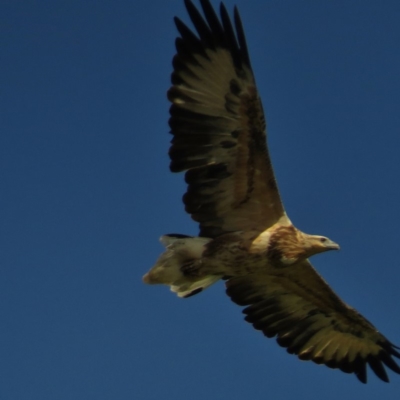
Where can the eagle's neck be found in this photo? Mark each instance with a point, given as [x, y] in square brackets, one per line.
[286, 246]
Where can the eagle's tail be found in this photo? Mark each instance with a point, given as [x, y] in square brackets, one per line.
[181, 252]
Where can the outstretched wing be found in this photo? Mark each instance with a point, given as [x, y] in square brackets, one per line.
[219, 128]
[310, 320]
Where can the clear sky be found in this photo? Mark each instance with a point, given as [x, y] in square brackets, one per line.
[86, 193]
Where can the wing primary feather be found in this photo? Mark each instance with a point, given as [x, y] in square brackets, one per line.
[359, 367]
[201, 26]
[213, 21]
[377, 367]
[241, 38]
[189, 37]
[361, 373]
[345, 366]
[396, 347]
[389, 362]
[183, 57]
[391, 348]
[230, 37]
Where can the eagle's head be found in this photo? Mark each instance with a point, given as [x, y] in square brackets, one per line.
[288, 245]
[314, 244]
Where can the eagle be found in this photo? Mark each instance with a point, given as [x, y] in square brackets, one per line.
[246, 238]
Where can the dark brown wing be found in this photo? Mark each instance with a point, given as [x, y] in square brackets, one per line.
[309, 319]
[219, 128]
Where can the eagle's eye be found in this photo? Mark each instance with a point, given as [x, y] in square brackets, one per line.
[322, 240]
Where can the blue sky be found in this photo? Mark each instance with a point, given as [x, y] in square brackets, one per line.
[87, 193]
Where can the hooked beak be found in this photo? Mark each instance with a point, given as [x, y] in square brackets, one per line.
[330, 245]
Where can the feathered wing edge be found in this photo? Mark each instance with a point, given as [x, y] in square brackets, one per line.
[218, 127]
[313, 323]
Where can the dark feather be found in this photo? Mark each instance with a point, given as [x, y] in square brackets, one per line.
[217, 119]
[361, 373]
[297, 323]
[377, 367]
[389, 362]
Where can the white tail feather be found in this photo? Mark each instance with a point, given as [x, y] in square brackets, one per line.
[167, 269]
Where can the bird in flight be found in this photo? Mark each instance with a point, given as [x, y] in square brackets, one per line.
[246, 238]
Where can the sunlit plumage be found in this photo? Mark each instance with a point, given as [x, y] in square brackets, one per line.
[246, 238]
